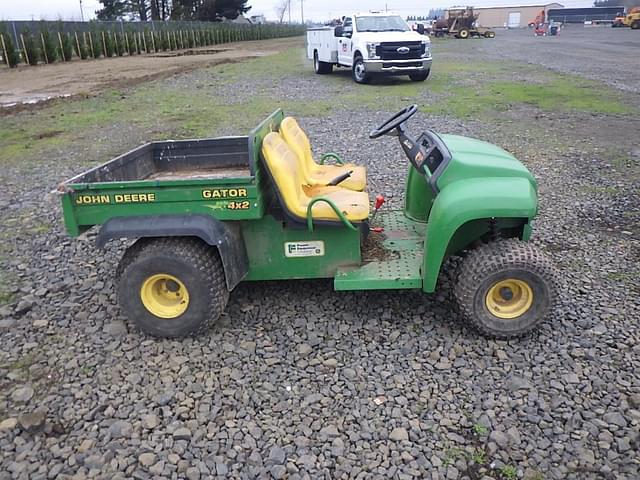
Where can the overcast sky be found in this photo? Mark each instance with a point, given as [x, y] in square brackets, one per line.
[313, 9]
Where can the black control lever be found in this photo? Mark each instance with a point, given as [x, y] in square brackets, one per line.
[339, 179]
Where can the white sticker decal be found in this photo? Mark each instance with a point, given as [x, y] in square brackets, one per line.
[304, 249]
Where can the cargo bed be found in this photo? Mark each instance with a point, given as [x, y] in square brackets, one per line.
[212, 176]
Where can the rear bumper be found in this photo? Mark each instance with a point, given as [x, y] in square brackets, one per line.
[397, 67]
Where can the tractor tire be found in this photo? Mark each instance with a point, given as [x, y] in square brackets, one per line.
[358, 71]
[506, 288]
[321, 68]
[420, 77]
[635, 25]
[489, 34]
[171, 287]
[463, 33]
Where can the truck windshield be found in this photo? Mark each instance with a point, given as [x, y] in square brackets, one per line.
[393, 23]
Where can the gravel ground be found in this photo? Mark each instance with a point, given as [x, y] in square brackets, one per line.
[599, 53]
[297, 381]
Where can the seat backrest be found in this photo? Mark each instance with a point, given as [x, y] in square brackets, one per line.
[299, 143]
[285, 170]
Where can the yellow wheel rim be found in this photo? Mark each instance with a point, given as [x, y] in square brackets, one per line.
[164, 296]
[509, 298]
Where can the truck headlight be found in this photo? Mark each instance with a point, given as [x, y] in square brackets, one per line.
[426, 49]
[371, 50]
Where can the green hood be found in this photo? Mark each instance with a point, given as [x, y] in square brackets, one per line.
[471, 158]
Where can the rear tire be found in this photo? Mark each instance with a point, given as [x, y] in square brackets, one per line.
[635, 25]
[419, 77]
[506, 288]
[358, 71]
[321, 68]
[463, 33]
[171, 287]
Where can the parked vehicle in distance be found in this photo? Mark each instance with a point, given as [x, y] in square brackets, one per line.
[461, 23]
[371, 44]
[628, 19]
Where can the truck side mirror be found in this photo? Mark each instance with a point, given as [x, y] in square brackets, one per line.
[337, 32]
[420, 28]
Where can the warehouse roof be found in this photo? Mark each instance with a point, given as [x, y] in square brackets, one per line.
[521, 5]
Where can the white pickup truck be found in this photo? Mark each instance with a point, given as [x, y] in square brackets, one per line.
[371, 44]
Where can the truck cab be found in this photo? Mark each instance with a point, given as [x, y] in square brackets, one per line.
[371, 44]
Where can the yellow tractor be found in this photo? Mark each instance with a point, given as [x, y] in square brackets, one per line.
[630, 19]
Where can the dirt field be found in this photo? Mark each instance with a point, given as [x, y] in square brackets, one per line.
[28, 85]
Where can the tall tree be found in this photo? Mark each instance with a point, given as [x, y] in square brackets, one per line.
[117, 9]
[231, 8]
[112, 9]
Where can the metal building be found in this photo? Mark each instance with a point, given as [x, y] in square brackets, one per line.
[511, 16]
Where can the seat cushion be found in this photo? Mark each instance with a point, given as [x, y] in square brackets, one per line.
[295, 195]
[323, 174]
[354, 205]
[314, 173]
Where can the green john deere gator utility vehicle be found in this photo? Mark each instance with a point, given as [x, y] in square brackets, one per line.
[208, 214]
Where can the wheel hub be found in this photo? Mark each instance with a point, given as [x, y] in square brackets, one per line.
[509, 299]
[164, 295]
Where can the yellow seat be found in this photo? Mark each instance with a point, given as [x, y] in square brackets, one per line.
[296, 196]
[315, 174]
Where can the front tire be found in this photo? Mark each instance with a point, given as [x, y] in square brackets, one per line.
[506, 288]
[321, 68]
[463, 33]
[635, 25]
[171, 287]
[419, 77]
[358, 71]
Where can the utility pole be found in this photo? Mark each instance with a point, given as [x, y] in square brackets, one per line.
[302, 10]
[289, 11]
[81, 12]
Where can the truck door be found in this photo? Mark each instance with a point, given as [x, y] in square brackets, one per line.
[345, 54]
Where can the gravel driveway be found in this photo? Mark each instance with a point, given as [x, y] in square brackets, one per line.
[297, 381]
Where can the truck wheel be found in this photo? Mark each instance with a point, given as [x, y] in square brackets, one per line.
[321, 68]
[506, 288]
[358, 71]
[419, 77]
[635, 25]
[489, 34]
[463, 33]
[171, 287]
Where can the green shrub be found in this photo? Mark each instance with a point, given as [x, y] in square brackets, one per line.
[67, 46]
[13, 58]
[96, 43]
[109, 46]
[49, 44]
[30, 47]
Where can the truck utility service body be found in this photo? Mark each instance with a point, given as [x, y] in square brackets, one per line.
[210, 213]
[369, 44]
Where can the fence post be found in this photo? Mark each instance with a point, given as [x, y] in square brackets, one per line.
[4, 51]
[61, 48]
[78, 45]
[104, 46]
[44, 49]
[26, 55]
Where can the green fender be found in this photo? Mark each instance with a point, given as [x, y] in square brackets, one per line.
[463, 201]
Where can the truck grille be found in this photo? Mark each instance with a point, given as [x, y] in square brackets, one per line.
[389, 50]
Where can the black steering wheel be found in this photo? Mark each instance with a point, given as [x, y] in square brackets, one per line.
[394, 122]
